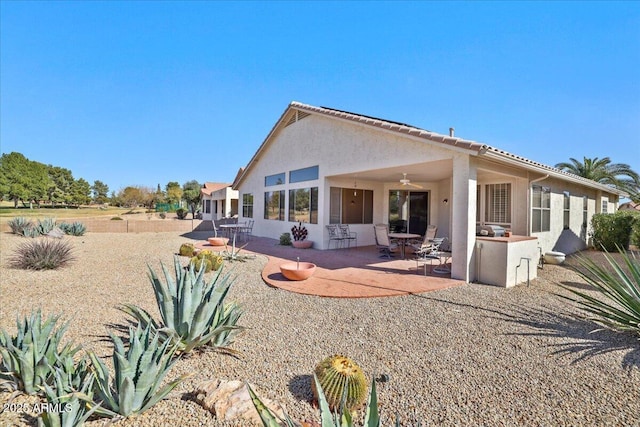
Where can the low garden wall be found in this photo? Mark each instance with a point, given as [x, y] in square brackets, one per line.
[98, 225]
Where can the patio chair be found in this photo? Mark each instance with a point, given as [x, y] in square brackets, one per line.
[383, 243]
[429, 253]
[247, 230]
[347, 235]
[429, 235]
[215, 228]
[334, 235]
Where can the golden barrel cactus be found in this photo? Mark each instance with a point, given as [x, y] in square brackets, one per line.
[187, 249]
[336, 373]
[211, 261]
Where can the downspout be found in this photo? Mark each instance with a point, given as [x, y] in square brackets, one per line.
[529, 201]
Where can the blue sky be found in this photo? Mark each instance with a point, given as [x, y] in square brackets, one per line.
[143, 93]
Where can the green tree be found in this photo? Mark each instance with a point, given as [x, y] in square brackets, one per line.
[173, 192]
[61, 183]
[191, 195]
[23, 180]
[100, 192]
[617, 175]
[132, 196]
[80, 192]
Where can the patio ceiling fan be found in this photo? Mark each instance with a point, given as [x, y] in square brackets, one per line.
[407, 182]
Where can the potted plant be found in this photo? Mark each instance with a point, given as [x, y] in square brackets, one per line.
[299, 233]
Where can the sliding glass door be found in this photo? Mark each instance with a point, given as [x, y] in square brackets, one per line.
[408, 211]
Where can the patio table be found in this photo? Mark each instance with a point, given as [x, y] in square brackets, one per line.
[232, 227]
[403, 237]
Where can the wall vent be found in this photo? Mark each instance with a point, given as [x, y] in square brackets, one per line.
[296, 116]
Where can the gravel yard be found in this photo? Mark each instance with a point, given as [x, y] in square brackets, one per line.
[469, 355]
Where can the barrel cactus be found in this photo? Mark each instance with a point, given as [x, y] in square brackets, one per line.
[340, 377]
[211, 261]
[187, 249]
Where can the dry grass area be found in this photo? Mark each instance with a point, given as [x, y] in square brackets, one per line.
[469, 355]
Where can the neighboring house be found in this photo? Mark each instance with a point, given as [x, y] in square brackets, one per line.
[219, 200]
[630, 206]
[323, 166]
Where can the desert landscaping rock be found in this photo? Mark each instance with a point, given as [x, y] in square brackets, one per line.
[468, 355]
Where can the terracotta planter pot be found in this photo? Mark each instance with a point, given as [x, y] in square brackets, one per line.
[302, 244]
[217, 241]
[297, 270]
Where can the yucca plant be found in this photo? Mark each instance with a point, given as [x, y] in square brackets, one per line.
[42, 254]
[138, 374]
[19, 224]
[69, 399]
[29, 358]
[194, 312]
[619, 287]
[341, 418]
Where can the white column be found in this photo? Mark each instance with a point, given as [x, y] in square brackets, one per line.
[463, 217]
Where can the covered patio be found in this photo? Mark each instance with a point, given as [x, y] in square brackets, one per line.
[346, 273]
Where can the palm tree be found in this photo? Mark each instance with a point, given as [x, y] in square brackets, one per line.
[618, 175]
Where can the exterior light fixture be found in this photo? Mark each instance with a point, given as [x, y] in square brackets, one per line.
[445, 201]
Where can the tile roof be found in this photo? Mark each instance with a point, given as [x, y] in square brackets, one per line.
[474, 147]
[211, 187]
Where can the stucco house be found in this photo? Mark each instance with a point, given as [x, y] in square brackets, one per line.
[219, 200]
[323, 166]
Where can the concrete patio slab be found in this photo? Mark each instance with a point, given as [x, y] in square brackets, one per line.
[345, 273]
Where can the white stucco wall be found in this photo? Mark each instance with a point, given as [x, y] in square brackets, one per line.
[338, 147]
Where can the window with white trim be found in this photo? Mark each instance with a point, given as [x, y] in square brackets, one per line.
[540, 209]
[605, 205]
[497, 209]
[274, 205]
[567, 210]
[247, 205]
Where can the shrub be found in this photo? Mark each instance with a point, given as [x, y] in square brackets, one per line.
[74, 229]
[194, 312]
[635, 231]
[619, 287]
[116, 218]
[612, 230]
[181, 213]
[19, 224]
[285, 239]
[30, 357]
[42, 254]
[162, 215]
[139, 372]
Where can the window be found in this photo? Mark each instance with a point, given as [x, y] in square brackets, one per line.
[350, 206]
[478, 204]
[303, 205]
[605, 205]
[306, 174]
[540, 209]
[276, 179]
[247, 205]
[274, 205]
[567, 210]
[585, 207]
[498, 204]
[207, 206]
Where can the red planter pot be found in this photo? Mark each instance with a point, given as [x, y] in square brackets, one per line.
[297, 270]
[302, 244]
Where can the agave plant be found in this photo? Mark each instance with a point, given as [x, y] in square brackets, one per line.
[139, 371]
[74, 229]
[194, 312]
[341, 418]
[69, 401]
[19, 224]
[45, 225]
[620, 287]
[42, 254]
[29, 358]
